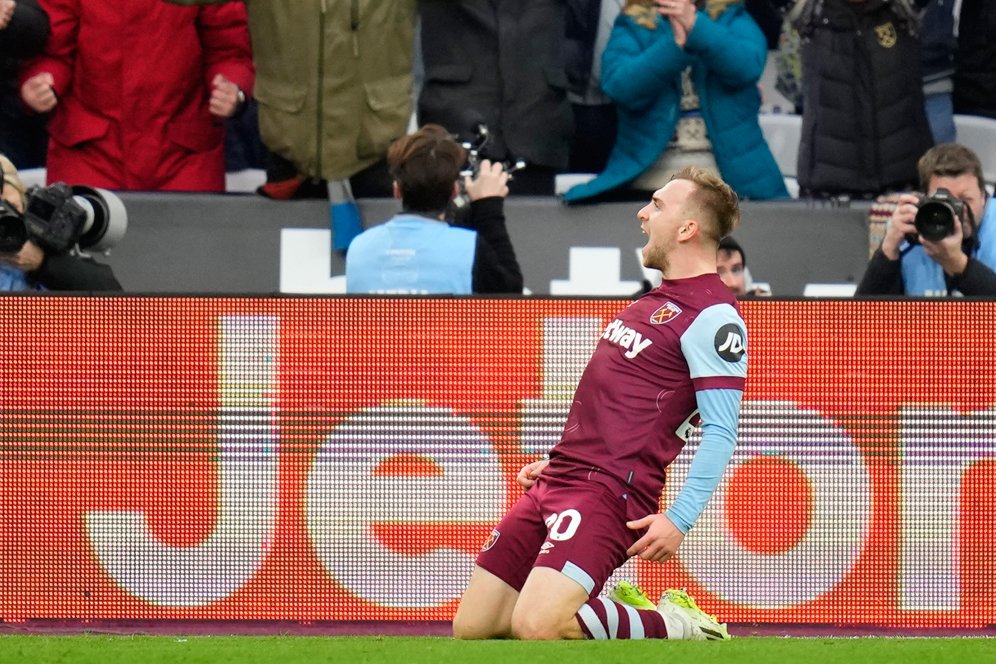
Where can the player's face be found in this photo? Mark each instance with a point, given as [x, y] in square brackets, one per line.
[730, 266]
[661, 219]
[965, 187]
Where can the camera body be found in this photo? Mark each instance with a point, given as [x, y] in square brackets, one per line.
[59, 218]
[937, 215]
[474, 148]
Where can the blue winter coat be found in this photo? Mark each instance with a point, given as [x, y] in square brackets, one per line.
[641, 72]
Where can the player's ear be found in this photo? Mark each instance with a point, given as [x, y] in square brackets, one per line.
[689, 229]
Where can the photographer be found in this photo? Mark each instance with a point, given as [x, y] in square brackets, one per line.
[417, 251]
[31, 267]
[933, 254]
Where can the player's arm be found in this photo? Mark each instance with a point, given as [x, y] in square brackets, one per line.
[715, 347]
[720, 412]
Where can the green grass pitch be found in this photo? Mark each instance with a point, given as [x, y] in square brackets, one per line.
[349, 650]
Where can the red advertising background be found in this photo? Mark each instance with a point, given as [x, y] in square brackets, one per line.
[343, 459]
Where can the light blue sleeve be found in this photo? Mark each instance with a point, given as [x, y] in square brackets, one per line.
[715, 346]
[720, 412]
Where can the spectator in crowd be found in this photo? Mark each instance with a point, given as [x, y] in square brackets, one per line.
[500, 63]
[337, 129]
[863, 122]
[938, 43]
[23, 31]
[769, 15]
[333, 86]
[31, 267]
[963, 262]
[684, 78]
[975, 60]
[731, 264]
[589, 23]
[417, 252]
[137, 92]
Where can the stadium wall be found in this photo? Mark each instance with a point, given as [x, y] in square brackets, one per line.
[342, 459]
[201, 243]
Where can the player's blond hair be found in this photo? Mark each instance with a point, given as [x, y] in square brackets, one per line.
[713, 202]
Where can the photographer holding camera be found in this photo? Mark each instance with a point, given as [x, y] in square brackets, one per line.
[26, 263]
[940, 244]
[417, 251]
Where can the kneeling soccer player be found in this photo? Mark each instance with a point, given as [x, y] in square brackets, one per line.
[674, 357]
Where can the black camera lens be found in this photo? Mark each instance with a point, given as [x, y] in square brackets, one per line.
[13, 233]
[934, 220]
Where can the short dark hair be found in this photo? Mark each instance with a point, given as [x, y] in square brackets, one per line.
[730, 245]
[949, 160]
[425, 164]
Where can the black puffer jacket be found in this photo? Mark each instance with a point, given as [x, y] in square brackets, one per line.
[975, 70]
[864, 125]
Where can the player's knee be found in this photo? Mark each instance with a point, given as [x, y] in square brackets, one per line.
[466, 630]
[470, 627]
[534, 627]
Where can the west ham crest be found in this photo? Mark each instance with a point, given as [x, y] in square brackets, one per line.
[490, 542]
[665, 314]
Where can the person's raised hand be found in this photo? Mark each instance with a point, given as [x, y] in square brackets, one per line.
[491, 180]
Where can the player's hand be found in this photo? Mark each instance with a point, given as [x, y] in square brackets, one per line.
[900, 225]
[529, 473]
[660, 542]
[38, 93]
[491, 180]
[225, 98]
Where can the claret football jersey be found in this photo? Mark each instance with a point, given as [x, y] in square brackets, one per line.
[636, 401]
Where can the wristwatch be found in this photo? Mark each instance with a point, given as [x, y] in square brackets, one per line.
[240, 97]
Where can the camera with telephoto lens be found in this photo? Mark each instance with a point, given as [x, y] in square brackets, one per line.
[60, 218]
[937, 215]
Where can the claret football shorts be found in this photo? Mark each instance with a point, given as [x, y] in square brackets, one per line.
[573, 526]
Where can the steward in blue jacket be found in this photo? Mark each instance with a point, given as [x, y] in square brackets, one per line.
[417, 252]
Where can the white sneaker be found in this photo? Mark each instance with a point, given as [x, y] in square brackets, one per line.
[685, 620]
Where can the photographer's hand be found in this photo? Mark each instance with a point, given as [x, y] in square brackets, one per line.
[28, 259]
[900, 225]
[491, 180]
[948, 252]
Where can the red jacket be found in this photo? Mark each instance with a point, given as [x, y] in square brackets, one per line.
[133, 80]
